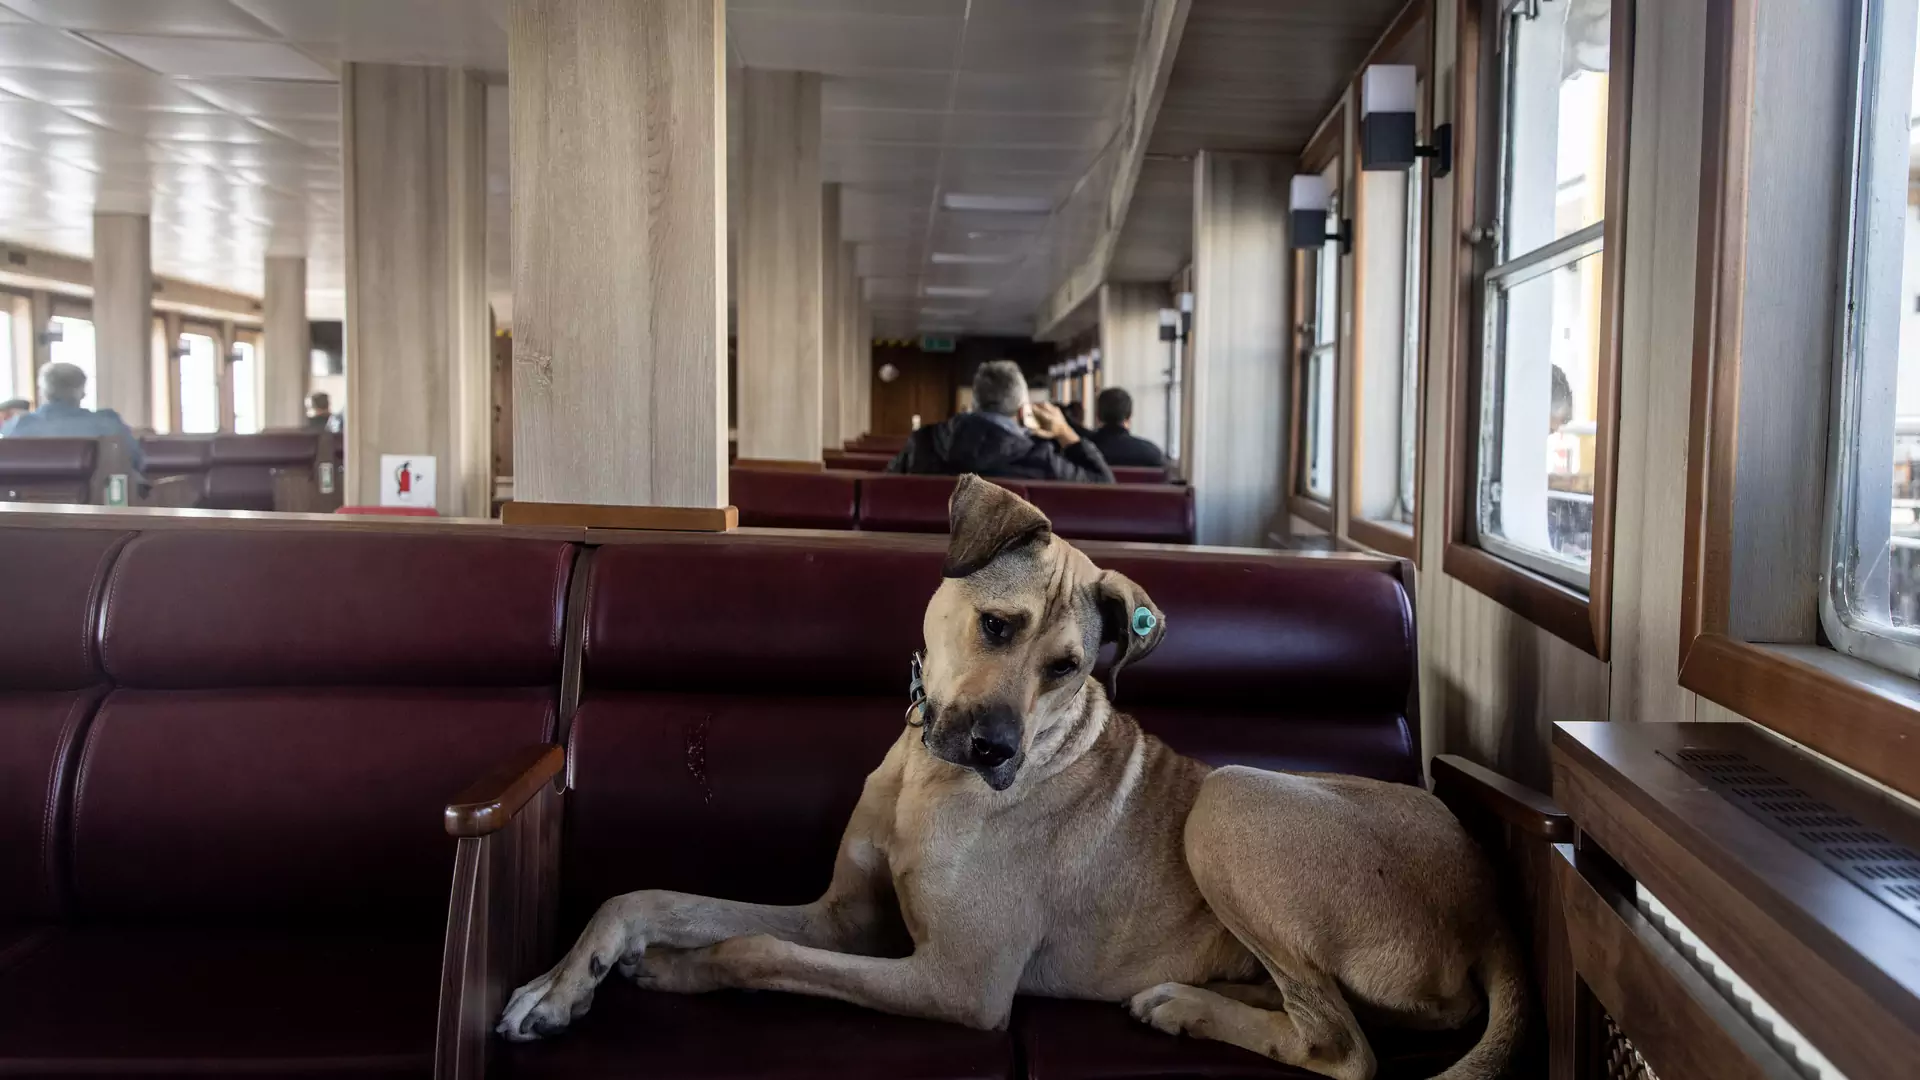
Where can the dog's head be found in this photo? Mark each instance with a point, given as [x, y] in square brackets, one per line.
[1015, 629]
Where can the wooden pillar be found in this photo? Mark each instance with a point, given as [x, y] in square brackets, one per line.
[1241, 267]
[287, 345]
[620, 261]
[123, 315]
[862, 373]
[416, 178]
[836, 331]
[1133, 357]
[781, 309]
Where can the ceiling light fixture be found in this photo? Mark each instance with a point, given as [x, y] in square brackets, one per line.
[998, 204]
[955, 292]
[954, 258]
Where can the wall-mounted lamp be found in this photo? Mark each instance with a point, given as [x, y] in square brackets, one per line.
[1177, 322]
[1388, 136]
[1311, 204]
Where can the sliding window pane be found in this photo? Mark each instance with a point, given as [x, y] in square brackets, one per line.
[199, 385]
[246, 388]
[73, 344]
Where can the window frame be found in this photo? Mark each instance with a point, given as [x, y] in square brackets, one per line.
[256, 340]
[1409, 40]
[1862, 716]
[1327, 149]
[1581, 618]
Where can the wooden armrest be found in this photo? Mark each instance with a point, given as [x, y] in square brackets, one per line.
[1459, 782]
[492, 801]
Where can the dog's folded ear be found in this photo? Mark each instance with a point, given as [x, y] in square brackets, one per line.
[986, 520]
[1129, 619]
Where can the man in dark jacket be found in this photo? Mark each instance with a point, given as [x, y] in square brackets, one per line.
[1116, 440]
[992, 441]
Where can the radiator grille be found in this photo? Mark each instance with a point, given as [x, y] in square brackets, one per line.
[1623, 1062]
[1884, 868]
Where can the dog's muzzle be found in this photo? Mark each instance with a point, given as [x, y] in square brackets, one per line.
[984, 738]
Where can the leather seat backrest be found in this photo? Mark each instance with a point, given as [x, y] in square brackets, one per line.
[737, 690]
[782, 499]
[1138, 474]
[50, 679]
[276, 448]
[176, 455]
[894, 503]
[47, 459]
[1157, 513]
[292, 711]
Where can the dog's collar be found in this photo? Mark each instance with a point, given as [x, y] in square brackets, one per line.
[916, 692]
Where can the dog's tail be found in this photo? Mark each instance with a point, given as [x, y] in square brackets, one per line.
[1503, 976]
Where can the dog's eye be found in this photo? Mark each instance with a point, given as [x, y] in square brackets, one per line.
[1062, 667]
[994, 627]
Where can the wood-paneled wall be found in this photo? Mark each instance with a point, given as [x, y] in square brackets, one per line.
[1134, 357]
[285, 362]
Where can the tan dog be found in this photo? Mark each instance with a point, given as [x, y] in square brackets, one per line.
[1029, 839]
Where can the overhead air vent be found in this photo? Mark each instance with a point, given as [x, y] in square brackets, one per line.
[1886, 869]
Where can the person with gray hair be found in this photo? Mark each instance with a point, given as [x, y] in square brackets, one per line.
[1004, 436]
[60, 415]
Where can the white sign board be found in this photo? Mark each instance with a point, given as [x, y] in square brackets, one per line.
[407, 480]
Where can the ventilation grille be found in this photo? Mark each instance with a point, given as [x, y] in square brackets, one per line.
[1621, 1060]
[1888, 870]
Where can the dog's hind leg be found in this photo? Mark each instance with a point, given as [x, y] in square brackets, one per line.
[1313, 1029]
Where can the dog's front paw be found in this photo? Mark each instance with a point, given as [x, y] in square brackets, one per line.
[1174, 1008]
[544, 1007]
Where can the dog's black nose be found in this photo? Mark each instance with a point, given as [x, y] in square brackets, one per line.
[990, 753]
[996, 737]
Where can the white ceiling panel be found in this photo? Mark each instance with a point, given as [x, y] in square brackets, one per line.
[175, 18]
[444, 32]
[33, 46]
[129, 88]
[278, 99]
[215, 58]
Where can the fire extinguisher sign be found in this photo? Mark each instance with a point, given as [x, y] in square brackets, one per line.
[406, 480]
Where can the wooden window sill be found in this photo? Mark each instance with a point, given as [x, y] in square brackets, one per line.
[1387, 537]
[1555, 608]
[1311, 510]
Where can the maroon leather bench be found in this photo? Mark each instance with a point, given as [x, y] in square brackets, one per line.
[870, 443]
[57, 470]
[240, 476]
[177, 455]
[913, 504]
[722, 755]
[1157, 513]
[784, 499]
[856, 461]
[1138, 474]
[223, 767]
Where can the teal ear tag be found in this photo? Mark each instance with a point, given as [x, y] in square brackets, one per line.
[1143, 621]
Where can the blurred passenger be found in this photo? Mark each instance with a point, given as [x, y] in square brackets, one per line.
[62, 388]
[1115, 438]
[320, 412]
[1004, 436]
[12, 408]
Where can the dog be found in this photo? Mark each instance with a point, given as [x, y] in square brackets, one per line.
[1022, 836]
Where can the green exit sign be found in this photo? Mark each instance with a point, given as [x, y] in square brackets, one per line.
[929, 343]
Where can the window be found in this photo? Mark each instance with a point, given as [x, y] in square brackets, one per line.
[199, 384]
[1542, 339]
[1405, 498]
[1871, 607]
[8, 389]
[246, 386]
[73, 344]
[1320, 366]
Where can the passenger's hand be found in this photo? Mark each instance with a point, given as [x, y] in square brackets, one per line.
[1052, 423]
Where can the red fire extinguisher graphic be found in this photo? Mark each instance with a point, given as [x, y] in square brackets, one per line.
[404, 479]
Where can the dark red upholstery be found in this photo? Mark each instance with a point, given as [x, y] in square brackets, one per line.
[783, 499]
[254, 1003]
[252, 846]
[176, 455]
[1159, 513]
[1138, 474]
[52, 581]
[722, 749]
[857, 461]
[48, 459]
[893, 503]
[240, 476]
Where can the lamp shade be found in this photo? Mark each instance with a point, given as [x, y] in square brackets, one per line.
[1310, 191]
[1387, 88]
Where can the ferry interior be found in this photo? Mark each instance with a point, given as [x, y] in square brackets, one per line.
[960, 539]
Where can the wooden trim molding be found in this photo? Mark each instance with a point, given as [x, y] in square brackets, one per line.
[1312, 511]
[1583, 620]
[1384, 537]
[1327, 147]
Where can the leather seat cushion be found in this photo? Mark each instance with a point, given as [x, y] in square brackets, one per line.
[896, 503]
[749, 1036]
[103, 1001]
[273, 804]
[783, 499]
[1094, 1040]
[1381, 745]
[42, 459]
[52, 580]
[39, 746]
[1156, 513]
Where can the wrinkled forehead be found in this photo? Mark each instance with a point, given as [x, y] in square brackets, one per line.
[1050, 583]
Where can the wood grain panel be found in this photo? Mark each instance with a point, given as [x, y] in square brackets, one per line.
[852, 381]
[123, 314]
[1241, 265]
[780, 266]
[1132, 354]
[620, 252]
[417, 332]
[285, 354]
[862, 373]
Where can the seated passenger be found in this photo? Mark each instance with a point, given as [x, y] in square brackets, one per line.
[1116, 440]
[320, 414]
[13, 407]
[1004, 436]
[62, 388]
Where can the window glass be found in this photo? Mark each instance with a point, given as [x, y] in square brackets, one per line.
[199, 384]
[1409, 462]
[1542, 333]
[1872, 608]
[246, 387]
[1323, 351]
[8, 388]
[74, 345]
